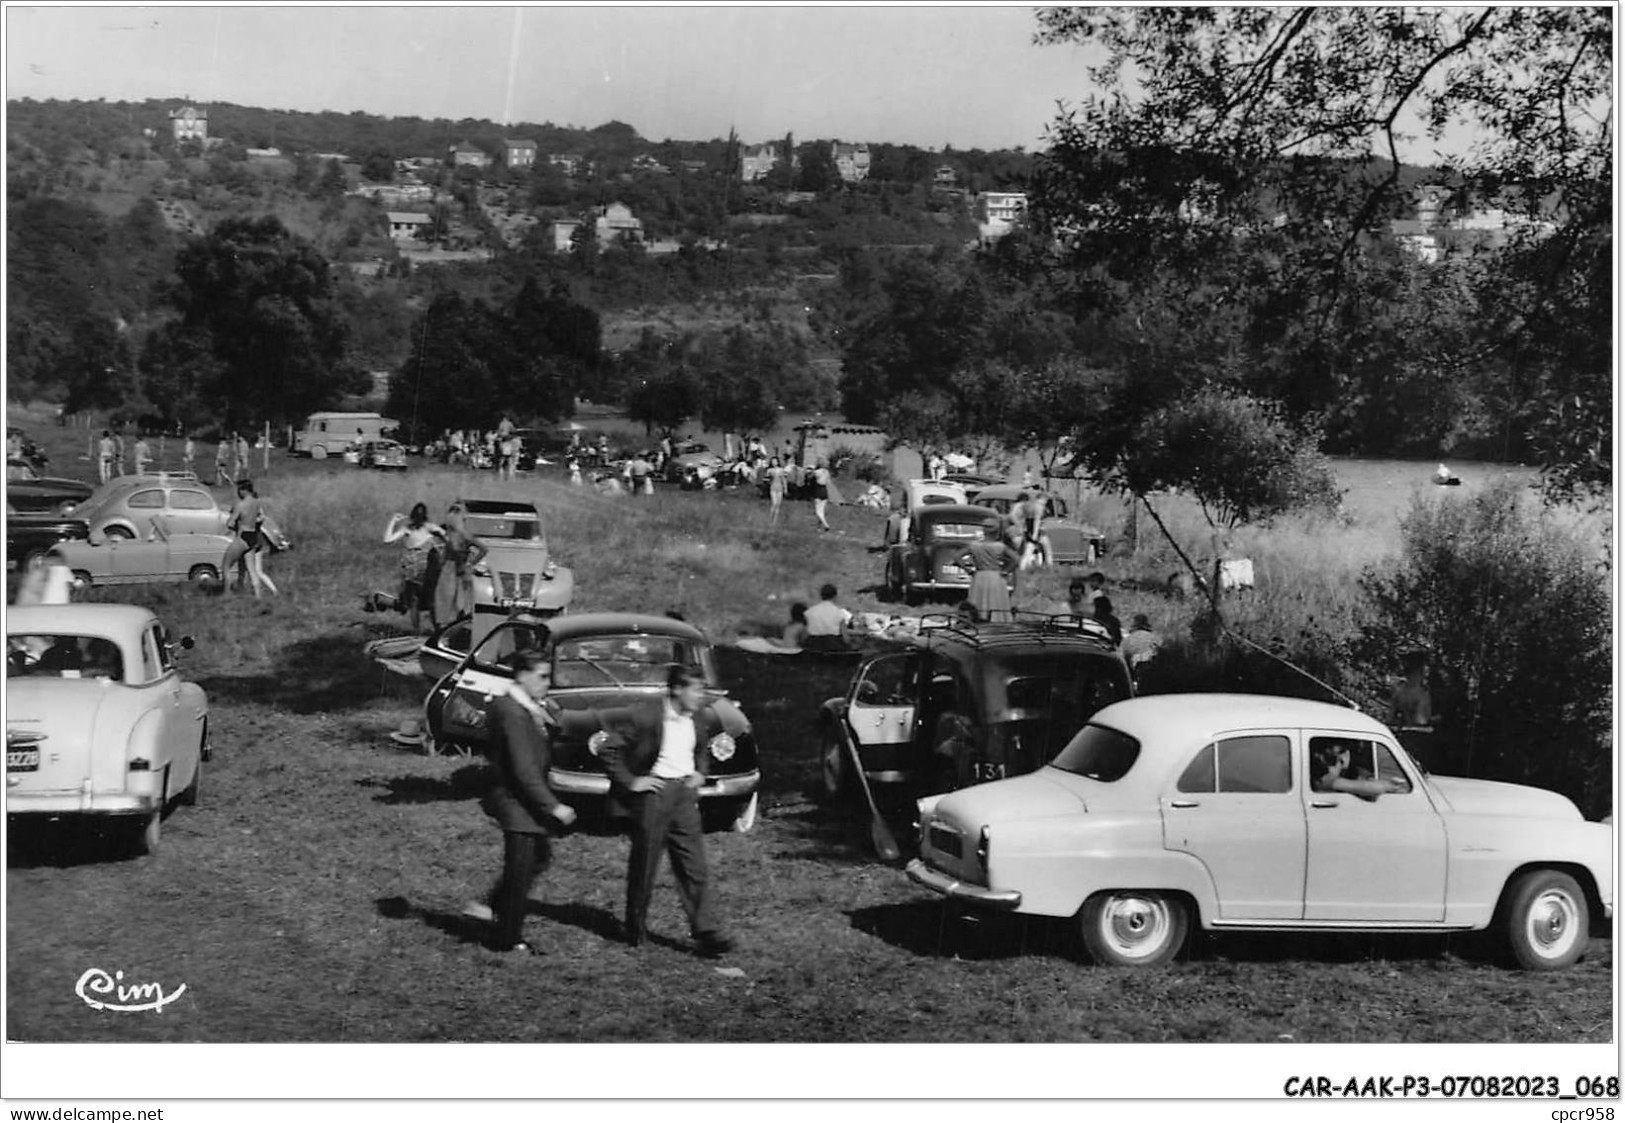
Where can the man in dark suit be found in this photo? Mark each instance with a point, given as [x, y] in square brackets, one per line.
[657, 760]
[523, 724]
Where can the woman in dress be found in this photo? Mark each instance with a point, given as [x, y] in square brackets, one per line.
[992, 561]
[419, 537]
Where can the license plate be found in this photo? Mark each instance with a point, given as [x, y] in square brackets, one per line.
[22, 760]
[517, 602]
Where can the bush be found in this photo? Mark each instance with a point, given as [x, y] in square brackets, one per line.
[1515, 611]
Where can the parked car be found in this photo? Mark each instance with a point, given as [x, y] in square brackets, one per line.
[930, 559]
[383, 454]
[518, 573]
[1070, 542]
[30, 535]
[125, 507]
[691, 455]
[1213, 809]
[162, 556]
[961, 704]
[98, 720]
[971, 482]
[599, 661]
[919, 493]
[27, 490]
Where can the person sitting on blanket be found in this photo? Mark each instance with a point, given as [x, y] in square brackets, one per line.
[790, 643]
[826, 622]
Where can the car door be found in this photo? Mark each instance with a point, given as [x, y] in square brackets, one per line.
[479, 678]
[1235, 808]
[142, 506]
[882, 703]
[194, 511]
[1381, 859]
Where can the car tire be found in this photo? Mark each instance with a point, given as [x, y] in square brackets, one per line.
[318, 452]
[204, 576]
[1546, 920]
[118, 531]
[81, 579]
[1133, 928]
[834, 769]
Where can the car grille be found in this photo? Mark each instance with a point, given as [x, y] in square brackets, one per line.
[519, 585]
[947, 841]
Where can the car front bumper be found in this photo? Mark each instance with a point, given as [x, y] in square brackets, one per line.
[596, 784]
[956, 890]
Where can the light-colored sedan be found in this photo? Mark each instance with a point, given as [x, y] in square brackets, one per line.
[164, 556]
[98, 719]
[1245, 812]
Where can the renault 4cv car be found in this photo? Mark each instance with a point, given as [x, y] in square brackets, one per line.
[164, 556]
[1069, 541]
[1247, 812]
[98, 720]
[961, 704]
[600, 661]
[930, 561]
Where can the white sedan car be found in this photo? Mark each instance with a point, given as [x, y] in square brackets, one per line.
[1245, 812]
[98, 720]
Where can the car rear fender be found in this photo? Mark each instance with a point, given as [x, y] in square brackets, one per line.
[139, 769]
[1057, 868]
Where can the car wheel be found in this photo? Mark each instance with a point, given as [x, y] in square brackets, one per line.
[745, 817]
[318, 452]
[117, 531]
[1546, 919]
[81, 579]
[1133, 928]
[833, 768]
[204, 575]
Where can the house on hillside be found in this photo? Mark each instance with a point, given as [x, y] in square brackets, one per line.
[466, 155]
[567, 162]
[563, 231]
[407, 226]
[945, 176]
[851, 161]
[647, 163]
[616, 221]
[998, 211]
[756, 160]
[190, 122]
[519, 153]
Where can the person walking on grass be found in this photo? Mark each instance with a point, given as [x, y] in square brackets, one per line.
[222, 451]
[143, 456]
[523, 725]
[189, 456]
[778, 482]
[118, 453]
[419, 538]
[248, 545]
[820, 495]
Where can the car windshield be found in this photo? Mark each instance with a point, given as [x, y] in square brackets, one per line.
[632, 660]
[499, 526]
[1099, 753]
[59, 655]
[16, 471]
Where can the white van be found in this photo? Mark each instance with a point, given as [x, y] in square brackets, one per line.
[329, 434]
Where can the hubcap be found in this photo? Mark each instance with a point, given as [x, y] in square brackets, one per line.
[1136, 926]
[1553, 917]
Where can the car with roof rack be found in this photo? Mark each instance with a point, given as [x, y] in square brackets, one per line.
[1255, 813]
[957, 704]
[126, 506]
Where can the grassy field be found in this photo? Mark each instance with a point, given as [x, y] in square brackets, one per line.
[313, 893]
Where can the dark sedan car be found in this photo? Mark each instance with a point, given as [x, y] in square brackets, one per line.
[30, 535]
[931, 561]
[27, 490]
[600, 661]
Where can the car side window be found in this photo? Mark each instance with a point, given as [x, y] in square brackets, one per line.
[152, 499]
[1261, 764]
[186, 500]
[1366, 760]
[887, 681]
[1388, 769]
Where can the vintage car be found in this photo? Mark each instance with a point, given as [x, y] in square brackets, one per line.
[1253, 812]
[27, 490]
[383, 454]
[98, 720]
[599, 661]
[162, 556]
[971, 482]
[1070, 542]
[518, 573]
[919, 493]
[930, 559]
[960, 704]
[125, 507]
[29, 536]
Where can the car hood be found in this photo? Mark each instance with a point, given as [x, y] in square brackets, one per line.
[1043, 794]
[514, 558]
[1491, 797]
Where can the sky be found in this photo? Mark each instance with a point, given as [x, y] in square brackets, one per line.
[927, 75]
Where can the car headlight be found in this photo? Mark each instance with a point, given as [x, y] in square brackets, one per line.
[596, 743]
[69, 508]
[482, 570]
[722, 747]
[549, 571]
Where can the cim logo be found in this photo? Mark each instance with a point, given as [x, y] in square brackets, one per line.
[117, 996]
